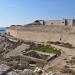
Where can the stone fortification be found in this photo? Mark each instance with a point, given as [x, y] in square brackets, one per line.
[40, 31]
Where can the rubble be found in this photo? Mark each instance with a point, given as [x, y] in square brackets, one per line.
[17, 51]
[4, 69]
[28, 72]
[38, 71]
[12, 73]
[22, 60]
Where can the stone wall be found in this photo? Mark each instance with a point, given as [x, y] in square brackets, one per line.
[43, 36]
[69, 22]
[38, 36]
[44, 33]
[12, 32]
[55, 22]
[46, 36]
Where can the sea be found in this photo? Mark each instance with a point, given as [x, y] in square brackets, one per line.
[2, 30]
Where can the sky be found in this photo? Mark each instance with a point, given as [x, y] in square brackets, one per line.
[20, 12]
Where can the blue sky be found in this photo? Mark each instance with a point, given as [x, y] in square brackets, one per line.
[25, 11]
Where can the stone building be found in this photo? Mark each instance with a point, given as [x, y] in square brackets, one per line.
[58, 22]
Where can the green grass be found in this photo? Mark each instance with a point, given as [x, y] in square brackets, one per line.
[47, 49]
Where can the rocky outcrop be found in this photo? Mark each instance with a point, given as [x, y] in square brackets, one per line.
[17, 51]
[6, 70]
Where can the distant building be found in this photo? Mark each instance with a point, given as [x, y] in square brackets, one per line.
[64, 22]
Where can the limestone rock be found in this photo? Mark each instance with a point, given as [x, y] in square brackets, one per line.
[4, 69]
[12, 73]
[28, 72]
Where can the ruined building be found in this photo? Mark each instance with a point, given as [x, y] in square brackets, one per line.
[44, 31]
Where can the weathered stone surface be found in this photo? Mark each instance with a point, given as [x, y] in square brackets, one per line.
[17, 51]
[4, 69]
[12, 73]
[28, 72]
[51, 31]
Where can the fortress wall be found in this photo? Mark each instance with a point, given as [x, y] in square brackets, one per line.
[55, 22]
[45, 36]
[71, 39]
[12, 32]
[39, 36]
[68, 38]
[69, 22]
[72, 29]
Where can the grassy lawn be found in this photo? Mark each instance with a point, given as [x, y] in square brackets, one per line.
[47, 49]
